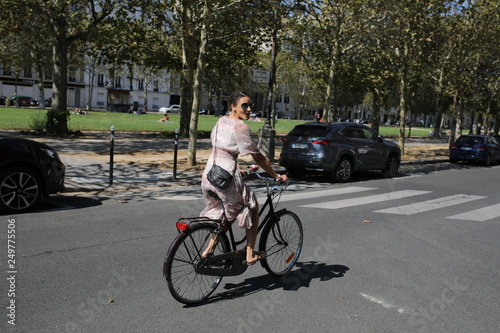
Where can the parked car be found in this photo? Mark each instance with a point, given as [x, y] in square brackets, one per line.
[171, 109]
[475, 148]
[339, 149]
[23, 101]
[28, 170]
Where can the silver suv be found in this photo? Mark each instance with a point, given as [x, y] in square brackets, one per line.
[339, 149]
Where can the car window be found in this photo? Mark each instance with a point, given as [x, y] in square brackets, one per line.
[309, 131]
[353, 132]
[470, 140]
[369, 134]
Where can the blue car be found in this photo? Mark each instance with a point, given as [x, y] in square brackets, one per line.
[475, 148]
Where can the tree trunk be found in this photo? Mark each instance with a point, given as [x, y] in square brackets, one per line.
[330, 113]
[197, 90]
[454, 109]
[58, 109]
[439, 108]
[41, 89]
[376, 109]
[402, 108]
[188, 68]
[145, 90]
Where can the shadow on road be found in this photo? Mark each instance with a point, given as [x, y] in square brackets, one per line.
[57, 202]
[301, 277]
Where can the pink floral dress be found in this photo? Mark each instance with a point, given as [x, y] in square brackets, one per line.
[237, 200]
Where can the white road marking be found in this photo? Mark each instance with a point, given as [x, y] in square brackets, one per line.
[366, 200]
[287, 196]
[318, 194]
[428, 205]
[385, 304]
[480, 215]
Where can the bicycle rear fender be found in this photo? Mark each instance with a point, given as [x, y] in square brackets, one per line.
[190, 223]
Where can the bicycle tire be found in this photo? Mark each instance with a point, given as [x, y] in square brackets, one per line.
[282, 240]
[185, 284]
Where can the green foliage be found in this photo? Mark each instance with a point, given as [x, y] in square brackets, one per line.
[37, 124]
[55, 121]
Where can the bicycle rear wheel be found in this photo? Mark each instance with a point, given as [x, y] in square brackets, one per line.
[282, 240]
[184, 283]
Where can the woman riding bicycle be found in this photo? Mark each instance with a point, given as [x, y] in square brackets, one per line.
[231, 137]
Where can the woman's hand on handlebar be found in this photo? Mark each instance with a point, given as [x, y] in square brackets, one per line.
[282, 178]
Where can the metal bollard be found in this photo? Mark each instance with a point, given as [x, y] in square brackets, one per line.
[176, 145]
[111, 153]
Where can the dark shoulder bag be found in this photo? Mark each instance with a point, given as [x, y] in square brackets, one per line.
[217, 176]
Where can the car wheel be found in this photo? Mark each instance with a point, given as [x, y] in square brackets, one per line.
[392, 167]
[20, 190]
[453, 161]
[343, 172]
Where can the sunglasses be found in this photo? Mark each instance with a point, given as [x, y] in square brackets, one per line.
[245, 106]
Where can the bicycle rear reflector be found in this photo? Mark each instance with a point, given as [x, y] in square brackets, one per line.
[290, 257]
[182, 226]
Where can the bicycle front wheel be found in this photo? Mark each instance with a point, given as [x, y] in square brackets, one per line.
[282, 240]
[184, 283]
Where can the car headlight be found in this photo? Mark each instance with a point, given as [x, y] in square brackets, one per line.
[51, 152]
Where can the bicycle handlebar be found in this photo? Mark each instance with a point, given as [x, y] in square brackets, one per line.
[253, 170]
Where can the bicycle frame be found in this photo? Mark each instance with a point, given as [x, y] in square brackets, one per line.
[270, 213]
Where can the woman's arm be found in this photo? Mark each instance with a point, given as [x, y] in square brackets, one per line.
[262, 161]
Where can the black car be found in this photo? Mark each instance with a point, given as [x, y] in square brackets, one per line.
[28, 170]
[339, 149]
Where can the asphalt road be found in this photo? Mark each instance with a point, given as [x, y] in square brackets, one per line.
[418, 253]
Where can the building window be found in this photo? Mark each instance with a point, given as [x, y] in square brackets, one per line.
[140, 84]
[100, 80]
[131, 84]
[156, 86]
[100, 99]
[118, 82]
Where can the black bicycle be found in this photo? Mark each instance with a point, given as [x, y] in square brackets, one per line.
[192, 278]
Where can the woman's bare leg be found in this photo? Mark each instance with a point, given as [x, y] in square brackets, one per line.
[213, 240]
[252, 235]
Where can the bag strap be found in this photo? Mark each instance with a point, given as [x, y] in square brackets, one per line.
[215, 148]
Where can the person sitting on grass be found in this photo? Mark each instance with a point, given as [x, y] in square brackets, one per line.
[165, 119]
[80, 111]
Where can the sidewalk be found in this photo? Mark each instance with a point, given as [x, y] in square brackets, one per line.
[87, 174]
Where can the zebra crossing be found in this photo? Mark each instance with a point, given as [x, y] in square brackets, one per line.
[422, 202]
[480, 215]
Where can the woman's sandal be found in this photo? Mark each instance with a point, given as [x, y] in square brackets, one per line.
[260, 255]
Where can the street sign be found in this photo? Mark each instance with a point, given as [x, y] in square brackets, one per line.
[261, 76]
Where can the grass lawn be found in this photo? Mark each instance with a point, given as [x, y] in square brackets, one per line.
[21, 119]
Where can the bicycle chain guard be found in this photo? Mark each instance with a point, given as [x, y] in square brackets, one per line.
[226, 264]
